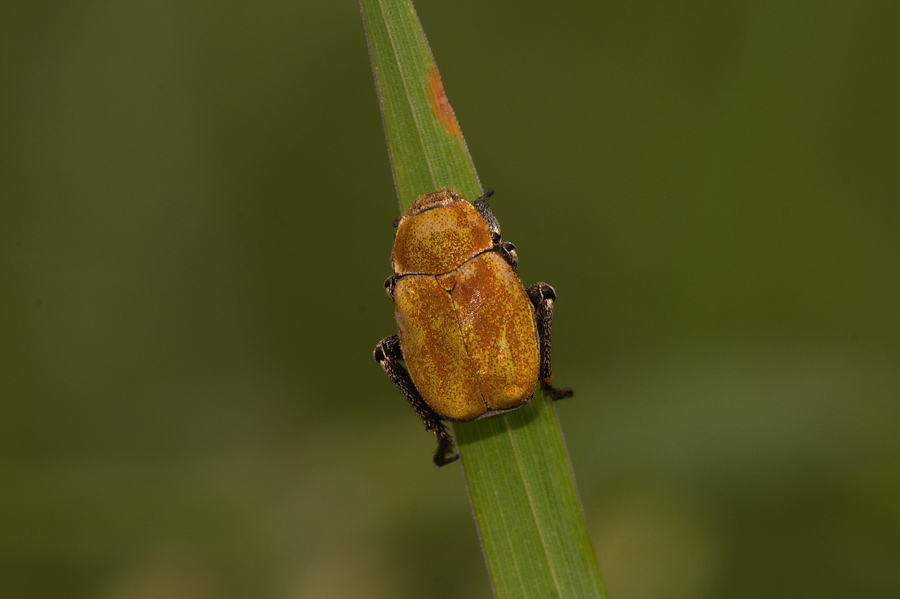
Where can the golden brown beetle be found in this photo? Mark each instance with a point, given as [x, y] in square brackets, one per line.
[475, 341]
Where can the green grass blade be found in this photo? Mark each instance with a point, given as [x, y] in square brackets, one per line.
[424, 140]
[527, 506]
[520, 482]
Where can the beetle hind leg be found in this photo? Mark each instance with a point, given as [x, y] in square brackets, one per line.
[542, 297]
[389, 354]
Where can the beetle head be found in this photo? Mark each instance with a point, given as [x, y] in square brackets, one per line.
[439, 232]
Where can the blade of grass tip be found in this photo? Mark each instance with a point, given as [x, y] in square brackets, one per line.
[425, 143]
[517, 470]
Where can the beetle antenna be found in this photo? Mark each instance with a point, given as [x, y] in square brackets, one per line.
[487, 194]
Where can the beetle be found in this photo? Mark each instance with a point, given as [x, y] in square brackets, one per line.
[475, 341]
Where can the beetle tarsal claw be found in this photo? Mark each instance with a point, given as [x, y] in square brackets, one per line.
[554, 392]
[445, 451]
[443, 461]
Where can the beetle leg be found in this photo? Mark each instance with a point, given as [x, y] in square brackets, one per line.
[542, 297]
[481, 205]
[389, 354]
[389, 285]
[508, 252]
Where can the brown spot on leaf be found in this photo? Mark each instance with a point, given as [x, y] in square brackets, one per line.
[440, 104]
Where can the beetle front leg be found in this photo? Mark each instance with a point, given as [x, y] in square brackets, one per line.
[482, 206]
[389, 354]
[542, 297]
[508, 252]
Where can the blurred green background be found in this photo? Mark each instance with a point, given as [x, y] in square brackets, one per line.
[195, 227]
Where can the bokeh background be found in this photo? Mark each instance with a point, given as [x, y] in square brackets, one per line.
[195, 227]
